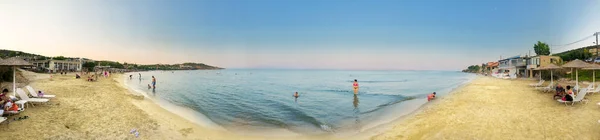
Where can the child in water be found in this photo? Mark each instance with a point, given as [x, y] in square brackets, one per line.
[430, 96]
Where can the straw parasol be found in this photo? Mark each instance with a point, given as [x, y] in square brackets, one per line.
[593, 67]
[14, 62]
[577, 64]
[549, 67]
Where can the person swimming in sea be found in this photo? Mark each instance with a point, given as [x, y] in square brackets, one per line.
[296, 95]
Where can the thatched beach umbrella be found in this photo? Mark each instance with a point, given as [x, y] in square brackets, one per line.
[577, 64]
[593, 67]
[14, 62]
[549, 67]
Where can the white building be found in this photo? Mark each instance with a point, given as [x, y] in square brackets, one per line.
[61, 65]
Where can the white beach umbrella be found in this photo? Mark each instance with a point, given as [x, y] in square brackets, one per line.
[576, 64]
[593, 67]
[14, 62]
[549, 67]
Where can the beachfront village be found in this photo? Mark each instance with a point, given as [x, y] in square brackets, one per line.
[534, 66]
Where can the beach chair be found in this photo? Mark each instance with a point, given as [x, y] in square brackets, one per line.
[538, 84]
[595, 90]
[548, 88]
[34, 94]
[24, 97]
[579, 98]
[2, 119]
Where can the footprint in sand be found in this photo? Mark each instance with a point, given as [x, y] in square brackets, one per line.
[491, 87]
[186, 131]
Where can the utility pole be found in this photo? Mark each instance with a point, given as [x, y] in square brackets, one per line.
[597, 47]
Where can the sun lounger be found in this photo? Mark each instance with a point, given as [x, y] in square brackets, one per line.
[548, 88]
[578, 98]
[538, 84]
[34, 94]
[24, 97]
[2, 119]
[595, 90]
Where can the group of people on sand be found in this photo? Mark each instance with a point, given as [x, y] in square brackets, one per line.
[7, 104]
[565, 95]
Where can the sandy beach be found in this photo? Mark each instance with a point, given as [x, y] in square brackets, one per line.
[104, 110]
[490, 108]
[486, 108]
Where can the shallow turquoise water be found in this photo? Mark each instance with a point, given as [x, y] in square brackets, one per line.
[262, 99]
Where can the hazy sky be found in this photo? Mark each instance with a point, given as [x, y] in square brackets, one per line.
[327, 34]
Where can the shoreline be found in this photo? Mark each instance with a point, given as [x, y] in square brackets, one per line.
[385, 128]
[374, 127]
[490, 108]
[84, 115]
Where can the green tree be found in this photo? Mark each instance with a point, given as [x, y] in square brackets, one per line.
[59, 58]
[541, 48]
[89, 65]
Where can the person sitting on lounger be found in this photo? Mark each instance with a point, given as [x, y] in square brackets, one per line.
[40, 94]
[560, 91]
[9, 106]
[569, 96]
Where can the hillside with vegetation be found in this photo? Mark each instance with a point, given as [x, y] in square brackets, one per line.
[112, 64]
[580, 53]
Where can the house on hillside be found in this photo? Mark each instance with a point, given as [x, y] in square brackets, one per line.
[540, 61]
[515, 66]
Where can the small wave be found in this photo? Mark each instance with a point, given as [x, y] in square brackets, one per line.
[326, 128]
[389, 104]
[392, 81]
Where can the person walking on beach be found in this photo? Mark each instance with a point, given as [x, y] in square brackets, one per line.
[431, 96]
[140, 75]
[130, 77]
[153, 82]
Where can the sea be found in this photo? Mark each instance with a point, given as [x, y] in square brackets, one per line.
[261, 101]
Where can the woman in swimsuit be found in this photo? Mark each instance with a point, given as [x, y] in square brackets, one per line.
[355, 85]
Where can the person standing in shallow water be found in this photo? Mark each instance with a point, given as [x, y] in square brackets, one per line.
[153, 82]
[355, 85]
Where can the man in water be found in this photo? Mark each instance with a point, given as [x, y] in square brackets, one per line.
[130, 77]
[140, 76]
[431, 96]
[153, 82]
[296, 95]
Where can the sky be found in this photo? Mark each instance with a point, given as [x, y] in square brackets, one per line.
[297, 34]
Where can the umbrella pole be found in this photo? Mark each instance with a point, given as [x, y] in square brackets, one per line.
[551, 77]
[576, 79]
[14, 81]
[593, 79]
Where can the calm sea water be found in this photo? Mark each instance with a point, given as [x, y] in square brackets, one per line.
[261, 100]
